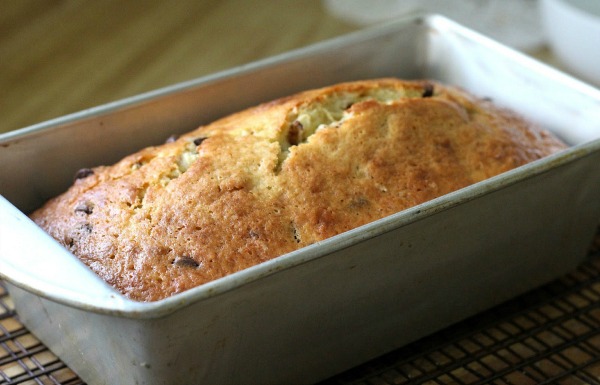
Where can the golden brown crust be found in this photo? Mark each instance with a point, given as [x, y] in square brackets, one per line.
[280, 176]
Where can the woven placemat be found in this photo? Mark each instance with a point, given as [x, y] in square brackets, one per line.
[549, 335]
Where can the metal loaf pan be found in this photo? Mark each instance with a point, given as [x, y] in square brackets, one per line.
[312, 313]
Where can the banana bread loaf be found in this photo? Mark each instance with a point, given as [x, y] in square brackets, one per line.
[282, 175]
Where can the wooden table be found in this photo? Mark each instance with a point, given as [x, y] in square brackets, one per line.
[63, 56]
[58, 57]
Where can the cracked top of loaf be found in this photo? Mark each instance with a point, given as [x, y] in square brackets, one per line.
[282, 175]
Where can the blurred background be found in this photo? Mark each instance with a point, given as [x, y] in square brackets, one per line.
[63, 56]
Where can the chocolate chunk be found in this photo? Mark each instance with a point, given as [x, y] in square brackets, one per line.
[83, 173]
[359, 202]
[295, 133]
[185, 261]
[172, 138]
[86, 208]
[427, 90]
[198, 141]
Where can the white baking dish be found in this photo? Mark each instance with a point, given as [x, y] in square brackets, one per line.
[322, 309]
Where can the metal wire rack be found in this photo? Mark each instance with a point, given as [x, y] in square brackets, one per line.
[550, 335]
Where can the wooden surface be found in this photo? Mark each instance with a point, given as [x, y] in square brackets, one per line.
[63, 56]
[59, 57]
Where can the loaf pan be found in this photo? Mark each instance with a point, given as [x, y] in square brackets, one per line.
[317, 311]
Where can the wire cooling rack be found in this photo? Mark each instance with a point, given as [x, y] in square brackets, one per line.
[23, 359]
[548, 336]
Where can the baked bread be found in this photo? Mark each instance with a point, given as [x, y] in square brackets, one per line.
[285, 174]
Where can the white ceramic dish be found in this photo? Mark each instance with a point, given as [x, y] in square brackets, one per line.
[573, 32]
